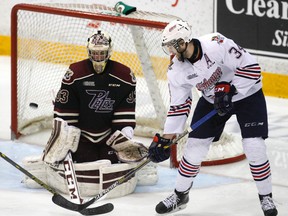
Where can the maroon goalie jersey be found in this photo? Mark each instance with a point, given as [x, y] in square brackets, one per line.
[98, 104]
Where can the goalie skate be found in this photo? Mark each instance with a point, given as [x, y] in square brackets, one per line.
[174, 202]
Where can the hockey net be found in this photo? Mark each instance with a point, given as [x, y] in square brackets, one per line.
[47, 38]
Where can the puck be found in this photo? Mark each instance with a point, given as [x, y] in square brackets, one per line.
[33, 105]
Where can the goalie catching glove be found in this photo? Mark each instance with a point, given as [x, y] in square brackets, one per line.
[159, 149]
[127, 150]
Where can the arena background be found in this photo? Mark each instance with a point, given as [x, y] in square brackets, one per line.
[247, 23]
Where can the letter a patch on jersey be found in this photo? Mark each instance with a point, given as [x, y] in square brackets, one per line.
[208, 61]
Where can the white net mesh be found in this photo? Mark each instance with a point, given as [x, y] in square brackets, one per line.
[47, 43]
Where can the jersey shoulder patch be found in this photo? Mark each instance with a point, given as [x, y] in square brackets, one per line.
[213, 39]
[218, 38]
[213, 45]
[78, 70]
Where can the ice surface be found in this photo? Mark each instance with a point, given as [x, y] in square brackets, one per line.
[225, 190]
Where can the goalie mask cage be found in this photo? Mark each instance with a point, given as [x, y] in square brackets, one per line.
[47, 38]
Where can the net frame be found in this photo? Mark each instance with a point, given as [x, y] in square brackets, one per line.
[102, 13]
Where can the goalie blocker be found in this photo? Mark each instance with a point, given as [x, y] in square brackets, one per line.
[92, 177]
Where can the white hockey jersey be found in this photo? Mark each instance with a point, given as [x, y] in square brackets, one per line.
[222, 60]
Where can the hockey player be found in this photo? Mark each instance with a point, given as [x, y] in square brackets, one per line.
[230, 81]
[94, 120]
[98, 97]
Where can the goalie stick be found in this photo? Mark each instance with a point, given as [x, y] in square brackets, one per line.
[71, 179]
[91, 211]
[61, 201]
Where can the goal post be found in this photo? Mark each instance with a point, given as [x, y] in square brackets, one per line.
[47, 38]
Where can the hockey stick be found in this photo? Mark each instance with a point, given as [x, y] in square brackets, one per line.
[61, 201]
[127, 176]
[71, 179]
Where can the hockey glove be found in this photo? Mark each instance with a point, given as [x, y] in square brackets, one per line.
[159, 149]
[223, 97]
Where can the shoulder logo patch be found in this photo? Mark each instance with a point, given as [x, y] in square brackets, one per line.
[133, 77]
[69, 73]
[218, 39]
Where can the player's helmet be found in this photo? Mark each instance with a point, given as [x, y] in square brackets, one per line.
[174, 32]
[99, 49]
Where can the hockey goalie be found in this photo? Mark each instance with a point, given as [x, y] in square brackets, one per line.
[94, 121]
[55, 169]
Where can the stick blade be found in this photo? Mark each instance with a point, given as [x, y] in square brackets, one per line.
[103, 209]
[61, 201]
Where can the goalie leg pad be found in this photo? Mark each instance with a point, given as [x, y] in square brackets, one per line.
[88, 175]
[92, 177]
[114, 172]
[37, 167]
[50, 175]
[148, 175]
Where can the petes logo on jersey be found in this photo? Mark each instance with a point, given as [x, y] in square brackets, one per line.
[100, 101]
